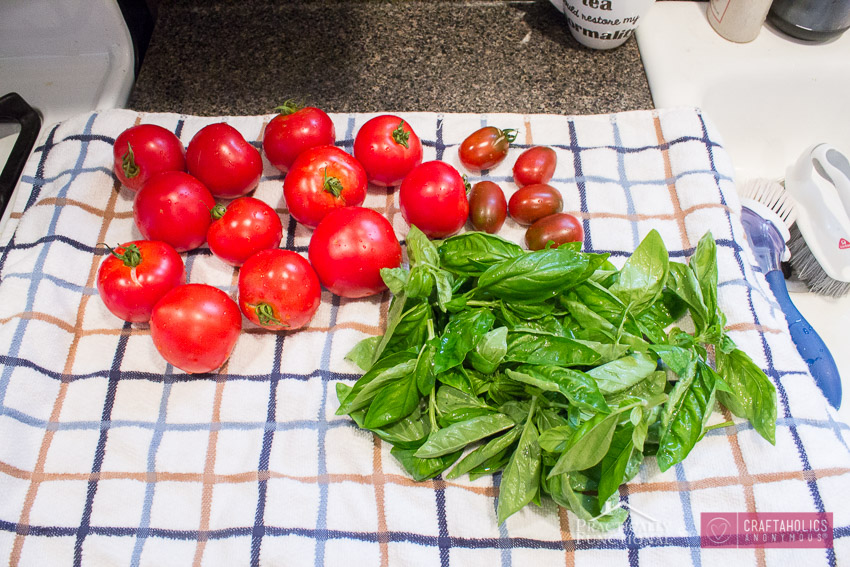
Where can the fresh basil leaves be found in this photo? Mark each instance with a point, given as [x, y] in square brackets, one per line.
[552, 368]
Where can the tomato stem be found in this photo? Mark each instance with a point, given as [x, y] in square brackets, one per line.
[467, 186]
[332, 184]
[131, 256]
[400, 136]
[266, 316]
[290, 106]
[128, 163]
[218, 211]
[509, 134]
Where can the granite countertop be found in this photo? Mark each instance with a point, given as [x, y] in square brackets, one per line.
[229, 57]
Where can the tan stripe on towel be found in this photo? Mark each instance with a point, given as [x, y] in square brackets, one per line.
[378, 482]
[671, 184]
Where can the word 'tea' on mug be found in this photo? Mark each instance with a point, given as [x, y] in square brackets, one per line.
[602, 24]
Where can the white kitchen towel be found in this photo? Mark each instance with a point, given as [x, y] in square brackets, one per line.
[110, 456]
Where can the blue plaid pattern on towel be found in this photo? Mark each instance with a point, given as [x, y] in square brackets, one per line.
[110, 456]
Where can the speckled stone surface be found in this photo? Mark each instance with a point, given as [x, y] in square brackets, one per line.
[222, 57]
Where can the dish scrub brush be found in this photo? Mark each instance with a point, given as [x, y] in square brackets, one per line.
[819, 184]
[766, 214]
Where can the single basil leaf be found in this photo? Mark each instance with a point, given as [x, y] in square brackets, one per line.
[677, 359]
[667, 310]
[423, 469]
[460, 336]
[424, 371]
[534, 348]
[443, 281]
[389, 369]
[515, 409]
[459, 435]
[396, 400]
[726, 344]
[407, 433]
[614, 464]
[526, 311]
[394, 315]
[579, 388]
[588, 445]
[458, 378]
[585, 506]
[650, 328]
[599, 300]
[395, 278]
[485, 452]
[546, 325]
[342, 391]
[688, 416]
[458, 415]
[490, 351]
[363, 352]
[597, 328]
[537, 276]
[607, 352]
[458, 302]
[649, 391]
[420, 282]
[622, 373]
[472, 253]
[752, 391]
[555, 439]
[548, 418]
[454, 405]
[641, 429]
[420, 250]
[492, 465]
[680, 388]
[589, 319]
[503, 390]
[682, 281]
[521, 478]
[704, 265]
[411, 328]
[642, 277]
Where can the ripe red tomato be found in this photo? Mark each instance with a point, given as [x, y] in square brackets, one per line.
[136, 275]
[320, 180]
[487, 207]
[349, 248]
[195, 327]
[558, 229]
[278, 290]
[294, 130]
[433, 197]
[142, 151]
[388, 148]
[246, 226]
[224, 161]
[535, 165]
[174, 207]
[486, 147]
[534, 202]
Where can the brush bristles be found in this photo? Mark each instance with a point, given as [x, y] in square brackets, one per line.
[809, 270]
[772, 195]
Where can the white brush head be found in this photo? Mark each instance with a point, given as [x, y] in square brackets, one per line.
[772, 195]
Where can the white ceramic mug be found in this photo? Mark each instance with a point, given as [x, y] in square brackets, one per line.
[602, 24]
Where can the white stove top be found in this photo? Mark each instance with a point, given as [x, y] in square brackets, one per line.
[64, 57]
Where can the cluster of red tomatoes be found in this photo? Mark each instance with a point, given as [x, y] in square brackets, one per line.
[195, 326]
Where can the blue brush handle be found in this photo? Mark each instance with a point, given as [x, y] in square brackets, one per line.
[809, 344]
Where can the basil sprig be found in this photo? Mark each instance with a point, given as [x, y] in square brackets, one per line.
[553, 368]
